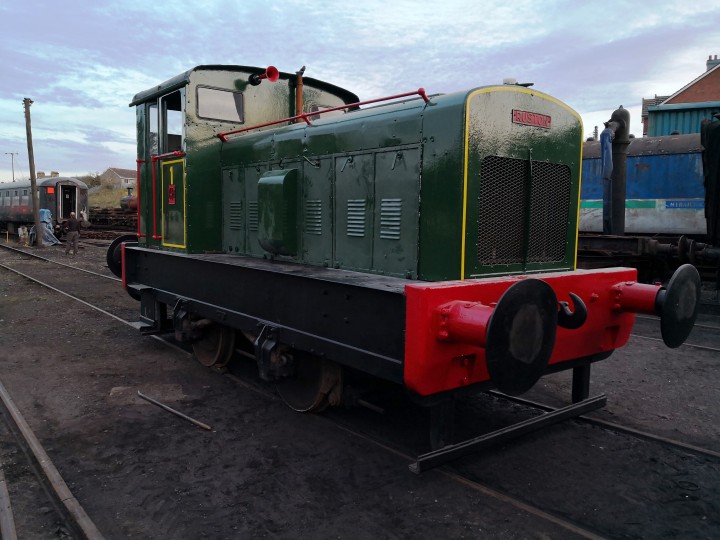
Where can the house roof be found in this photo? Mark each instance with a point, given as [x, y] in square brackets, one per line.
[121, 173]
[691, 83]
[657, 100]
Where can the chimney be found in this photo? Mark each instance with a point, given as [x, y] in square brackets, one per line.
[40, 174]
[54, 174]
[712, 61]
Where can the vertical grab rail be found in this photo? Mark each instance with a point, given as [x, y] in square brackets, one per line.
[137, 188]
[156, 158]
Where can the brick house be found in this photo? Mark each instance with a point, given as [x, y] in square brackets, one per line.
[119, 178]
[647, 103]
[683, 111]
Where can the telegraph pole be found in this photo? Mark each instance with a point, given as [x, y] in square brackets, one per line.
[12, 159]
[33, 183]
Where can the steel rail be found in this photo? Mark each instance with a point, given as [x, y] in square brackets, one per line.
[88, 304]
[441, 470]
[72, 297]
[7, 521]
[612, 426]
[35, 256]
[68, 505]
[686, 344]
[696, 325]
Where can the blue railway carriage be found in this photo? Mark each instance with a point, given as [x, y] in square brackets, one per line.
[665, 190]
[61, 195]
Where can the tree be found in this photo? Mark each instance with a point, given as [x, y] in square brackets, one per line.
[91, 179]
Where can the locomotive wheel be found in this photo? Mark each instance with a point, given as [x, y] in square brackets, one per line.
[678, 305]
[521, 336]
[216, 346]
[314, 379]
[114, 253]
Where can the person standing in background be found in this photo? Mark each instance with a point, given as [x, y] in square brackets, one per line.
[72, 234]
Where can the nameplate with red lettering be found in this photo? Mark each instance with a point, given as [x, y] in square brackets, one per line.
[528, 118]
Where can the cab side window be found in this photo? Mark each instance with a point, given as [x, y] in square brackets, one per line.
[153, 129]
[164, 122]
[172, 122]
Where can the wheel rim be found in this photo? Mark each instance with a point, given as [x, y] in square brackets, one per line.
[308, 389]
[216, 346]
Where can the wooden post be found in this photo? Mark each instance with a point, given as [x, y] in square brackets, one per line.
[33, 183]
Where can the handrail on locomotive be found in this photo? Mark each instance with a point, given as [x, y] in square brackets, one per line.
[308, 116]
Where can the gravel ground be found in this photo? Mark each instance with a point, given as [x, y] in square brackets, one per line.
[266, 472]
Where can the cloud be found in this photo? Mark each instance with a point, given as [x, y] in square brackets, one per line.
[83, 62]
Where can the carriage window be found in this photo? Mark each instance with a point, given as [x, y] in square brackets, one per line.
[172, 122]
[216, 104]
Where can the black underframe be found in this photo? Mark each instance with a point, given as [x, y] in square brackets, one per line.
[352, 318]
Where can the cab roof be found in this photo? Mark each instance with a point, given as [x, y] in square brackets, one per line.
[183, 79]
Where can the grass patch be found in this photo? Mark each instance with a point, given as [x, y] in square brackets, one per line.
[106, 197]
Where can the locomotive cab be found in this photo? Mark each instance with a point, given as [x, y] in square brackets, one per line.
[179, 189]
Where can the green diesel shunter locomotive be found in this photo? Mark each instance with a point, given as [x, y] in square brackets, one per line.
[426, 240]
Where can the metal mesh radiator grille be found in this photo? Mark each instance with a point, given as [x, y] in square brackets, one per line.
[506, 189]
[549, 205]
[501, 215]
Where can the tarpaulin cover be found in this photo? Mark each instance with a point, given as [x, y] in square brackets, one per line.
[48, 238]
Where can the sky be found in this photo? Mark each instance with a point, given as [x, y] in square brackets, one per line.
[81, 62]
